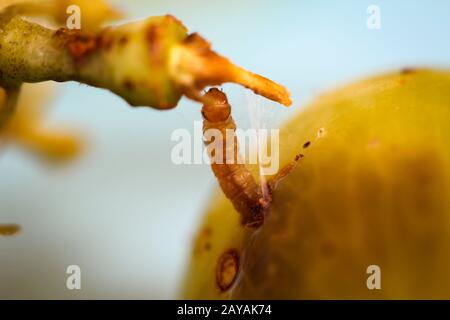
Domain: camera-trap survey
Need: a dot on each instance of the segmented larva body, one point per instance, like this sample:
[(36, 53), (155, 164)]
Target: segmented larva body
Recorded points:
[(236, 181)]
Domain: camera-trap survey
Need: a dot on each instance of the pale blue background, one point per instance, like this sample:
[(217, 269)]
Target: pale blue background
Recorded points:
[(123, 211)]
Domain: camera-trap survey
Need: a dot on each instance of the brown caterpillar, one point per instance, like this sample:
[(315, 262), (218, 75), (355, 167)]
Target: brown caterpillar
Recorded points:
[(237, 182)]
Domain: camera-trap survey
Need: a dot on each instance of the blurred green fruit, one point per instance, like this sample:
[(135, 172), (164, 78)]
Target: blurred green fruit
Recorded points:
[(373, 188)]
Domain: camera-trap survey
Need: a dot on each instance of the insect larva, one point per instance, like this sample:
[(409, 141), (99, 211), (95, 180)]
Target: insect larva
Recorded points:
[(236, 181), (234, 178)]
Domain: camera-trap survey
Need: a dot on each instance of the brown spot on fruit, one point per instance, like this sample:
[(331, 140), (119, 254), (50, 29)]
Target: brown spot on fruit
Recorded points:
[(203, 241), (123, 40), (407, 70), (306, 144), (227, 269), (207, 231), (128, 84)]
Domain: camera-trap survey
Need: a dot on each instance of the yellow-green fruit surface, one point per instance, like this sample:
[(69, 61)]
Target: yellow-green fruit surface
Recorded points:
[(373, 188)]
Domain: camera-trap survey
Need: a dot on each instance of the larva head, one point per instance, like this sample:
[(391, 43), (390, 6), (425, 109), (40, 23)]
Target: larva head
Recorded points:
[(216, 107)]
